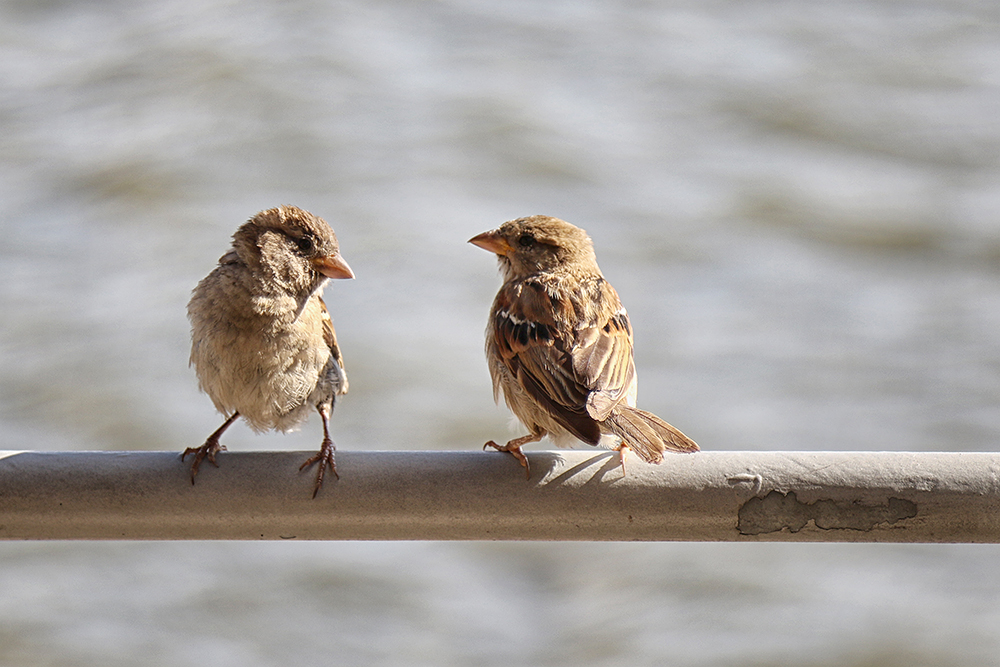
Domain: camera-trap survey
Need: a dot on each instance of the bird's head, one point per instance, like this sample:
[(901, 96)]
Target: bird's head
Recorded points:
[(538, 244), (290, 249)]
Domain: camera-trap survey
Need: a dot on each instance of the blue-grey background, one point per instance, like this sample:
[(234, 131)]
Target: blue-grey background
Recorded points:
[(798, 203)]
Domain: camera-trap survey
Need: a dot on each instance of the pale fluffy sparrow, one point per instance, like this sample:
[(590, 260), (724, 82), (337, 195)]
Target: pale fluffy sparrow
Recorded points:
[(559, 345), (262, 343)]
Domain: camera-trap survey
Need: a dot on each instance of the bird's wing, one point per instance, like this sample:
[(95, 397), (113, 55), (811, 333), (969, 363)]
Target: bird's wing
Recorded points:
[(330, 337), (603, 357), (579, 371)]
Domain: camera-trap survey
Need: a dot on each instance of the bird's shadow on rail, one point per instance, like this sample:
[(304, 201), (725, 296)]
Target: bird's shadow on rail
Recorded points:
[(609, 472)]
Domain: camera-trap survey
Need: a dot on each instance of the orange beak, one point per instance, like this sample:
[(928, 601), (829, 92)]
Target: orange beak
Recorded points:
[(333, 266), (493, 242)]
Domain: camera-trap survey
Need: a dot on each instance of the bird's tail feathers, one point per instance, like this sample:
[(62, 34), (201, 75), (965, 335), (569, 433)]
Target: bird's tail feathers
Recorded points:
[(646, 434)]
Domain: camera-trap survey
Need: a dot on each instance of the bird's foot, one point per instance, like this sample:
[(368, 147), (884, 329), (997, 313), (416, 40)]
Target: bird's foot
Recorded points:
[(514, 448), (325, 458), (206, 451)]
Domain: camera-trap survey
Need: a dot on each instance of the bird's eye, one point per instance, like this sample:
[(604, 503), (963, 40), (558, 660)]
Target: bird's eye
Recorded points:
[(305, 243), (526, 241)]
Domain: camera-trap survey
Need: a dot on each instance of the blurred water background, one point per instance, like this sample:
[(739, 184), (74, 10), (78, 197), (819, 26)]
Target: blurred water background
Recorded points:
[(798, 203)]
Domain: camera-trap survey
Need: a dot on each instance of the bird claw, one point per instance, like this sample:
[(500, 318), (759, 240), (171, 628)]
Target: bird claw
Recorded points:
[(206, 451), (513, 448), (325, 457)]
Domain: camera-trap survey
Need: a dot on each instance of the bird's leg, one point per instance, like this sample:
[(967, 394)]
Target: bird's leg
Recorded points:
[(513, 447), (210, 448), (622, 450), (325, 454)]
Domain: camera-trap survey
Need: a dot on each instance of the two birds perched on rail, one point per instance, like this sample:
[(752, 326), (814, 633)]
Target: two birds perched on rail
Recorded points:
[(558, 342)]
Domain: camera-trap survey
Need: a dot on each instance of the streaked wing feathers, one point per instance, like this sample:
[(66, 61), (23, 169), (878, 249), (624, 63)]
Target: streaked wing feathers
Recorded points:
[(330, 337), (578, 374)]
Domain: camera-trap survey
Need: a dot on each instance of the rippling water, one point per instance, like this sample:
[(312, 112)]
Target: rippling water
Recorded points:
[(798, 205)]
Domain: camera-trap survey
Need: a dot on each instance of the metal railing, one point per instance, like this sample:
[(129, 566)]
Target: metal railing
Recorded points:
[(472, 495)]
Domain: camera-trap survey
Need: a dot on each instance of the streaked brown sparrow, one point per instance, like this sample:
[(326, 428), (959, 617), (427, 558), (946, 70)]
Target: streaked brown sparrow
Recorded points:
[(559, 345), (262, 342)]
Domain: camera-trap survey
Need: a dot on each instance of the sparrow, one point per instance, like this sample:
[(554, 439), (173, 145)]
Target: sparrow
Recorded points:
[(559, 345), (262, 342)]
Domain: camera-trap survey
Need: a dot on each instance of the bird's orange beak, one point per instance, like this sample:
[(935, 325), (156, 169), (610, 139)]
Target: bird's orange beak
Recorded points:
[(492, 241), (333, 266)]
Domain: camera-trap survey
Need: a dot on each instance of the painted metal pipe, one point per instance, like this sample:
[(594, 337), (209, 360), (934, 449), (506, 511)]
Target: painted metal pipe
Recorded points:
[(471, 495)]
